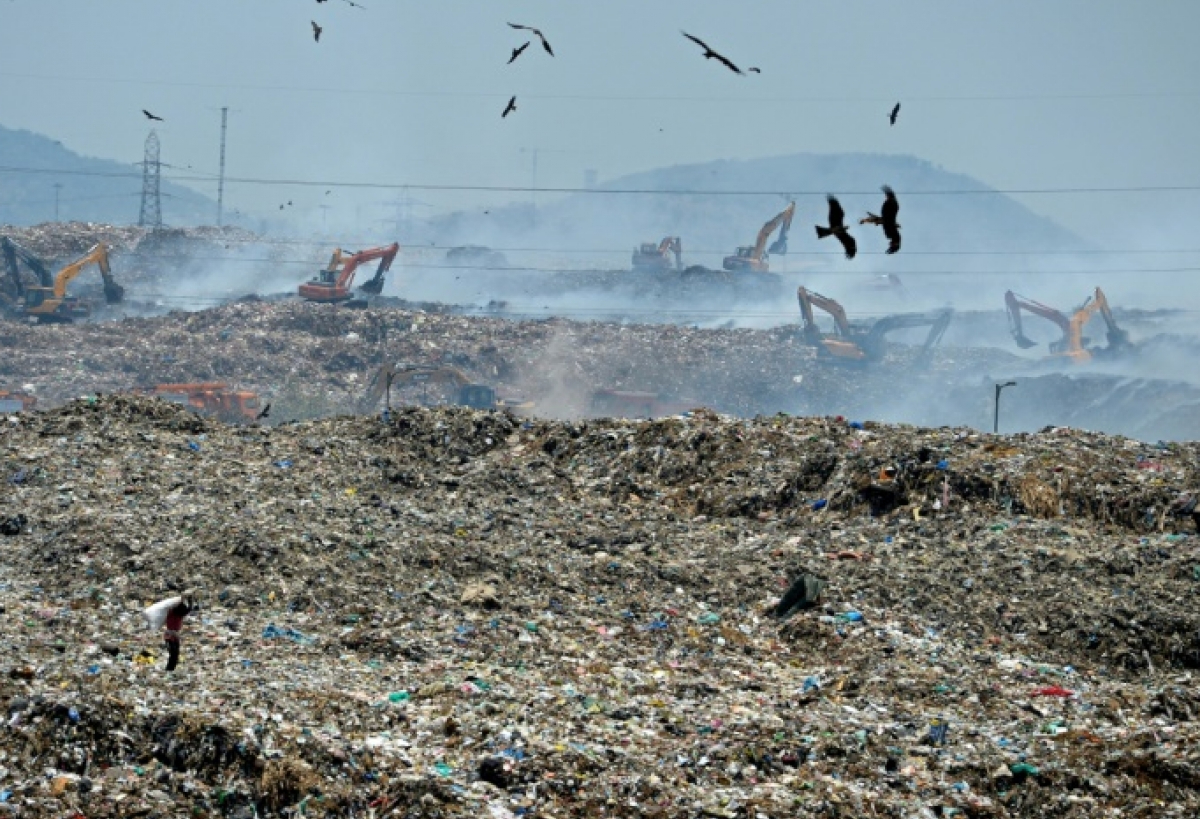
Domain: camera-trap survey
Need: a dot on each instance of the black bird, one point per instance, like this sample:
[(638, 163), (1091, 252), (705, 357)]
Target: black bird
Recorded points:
[(265, 410), (540, 36), (710, 54), (151, 116), (517, 52), (837, 227), (887, 219), (512, 106), (754, 70), (895, 113), (316, 31)]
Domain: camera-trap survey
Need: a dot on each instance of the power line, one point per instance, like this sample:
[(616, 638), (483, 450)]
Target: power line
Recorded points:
[(616, 97), (710, 252), (640, 278), (246, 180)]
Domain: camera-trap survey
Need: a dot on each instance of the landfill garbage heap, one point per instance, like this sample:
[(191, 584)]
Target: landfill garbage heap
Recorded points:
[(461, 613)]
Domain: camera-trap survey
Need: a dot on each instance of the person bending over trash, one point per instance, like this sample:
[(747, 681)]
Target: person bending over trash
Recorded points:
[(168, 614)]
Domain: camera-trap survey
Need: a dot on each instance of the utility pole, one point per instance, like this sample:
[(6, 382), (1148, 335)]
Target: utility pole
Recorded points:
[(221, 177), (57, 187)]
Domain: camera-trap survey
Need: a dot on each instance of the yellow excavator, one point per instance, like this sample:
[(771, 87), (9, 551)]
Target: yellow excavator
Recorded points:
[(1072, 345), (755, 258), (451, 380), (51, 304), (650, 257), (850, 344)]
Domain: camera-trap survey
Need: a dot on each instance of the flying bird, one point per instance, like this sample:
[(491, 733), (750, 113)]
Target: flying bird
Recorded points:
[(316, 31), (517, 52), (887, 219), (710, 54), (540, 36), (837, 227), (151, 116), (267, 409), (895, 113), (754, 69), (512, 106)]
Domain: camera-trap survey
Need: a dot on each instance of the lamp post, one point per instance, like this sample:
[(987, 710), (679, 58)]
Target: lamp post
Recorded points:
[(996, 404)]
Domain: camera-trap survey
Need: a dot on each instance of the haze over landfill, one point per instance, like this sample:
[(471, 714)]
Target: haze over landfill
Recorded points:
[(662, 409)]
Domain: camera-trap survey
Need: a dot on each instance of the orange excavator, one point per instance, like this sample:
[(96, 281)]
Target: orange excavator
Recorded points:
[(755, 258), (214, 398), (332, 285), (649, 257), (49, 303), (849, 343), (1072, 345)]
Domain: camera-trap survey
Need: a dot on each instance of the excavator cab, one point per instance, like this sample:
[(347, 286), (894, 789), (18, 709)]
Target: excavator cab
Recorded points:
[(477, 396)]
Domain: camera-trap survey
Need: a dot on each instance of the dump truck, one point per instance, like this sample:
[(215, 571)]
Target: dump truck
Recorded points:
[(449, 381), (213, 398), (12, 401)]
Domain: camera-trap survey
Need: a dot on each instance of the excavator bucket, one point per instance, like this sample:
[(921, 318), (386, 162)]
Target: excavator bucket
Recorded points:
[(113, 292), (1023, 341), (779, 246), (373, 286)]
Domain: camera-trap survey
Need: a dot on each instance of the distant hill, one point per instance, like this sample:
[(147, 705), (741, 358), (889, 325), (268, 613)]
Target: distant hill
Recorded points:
[(978, 222), (93, 190)]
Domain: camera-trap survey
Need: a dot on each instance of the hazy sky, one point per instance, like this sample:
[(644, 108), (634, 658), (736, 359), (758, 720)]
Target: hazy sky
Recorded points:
[(1020, 93)]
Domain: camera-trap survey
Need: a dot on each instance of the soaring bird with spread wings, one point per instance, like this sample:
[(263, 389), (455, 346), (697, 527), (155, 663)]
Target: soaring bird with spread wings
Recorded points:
[(887, 219), (837, 227), (508, 109), (151, 116), (895, 113), (709, 54), (517, 52), (538, 34), (316, 31)]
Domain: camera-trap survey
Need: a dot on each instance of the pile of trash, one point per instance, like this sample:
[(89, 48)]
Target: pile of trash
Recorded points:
[(316, 360), (455, 613)]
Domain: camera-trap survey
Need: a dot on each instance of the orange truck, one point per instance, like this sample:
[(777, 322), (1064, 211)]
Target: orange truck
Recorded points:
[(16, 401), (214, 398)]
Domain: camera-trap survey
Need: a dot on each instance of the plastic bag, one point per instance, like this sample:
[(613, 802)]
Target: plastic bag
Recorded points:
[(156, 615)]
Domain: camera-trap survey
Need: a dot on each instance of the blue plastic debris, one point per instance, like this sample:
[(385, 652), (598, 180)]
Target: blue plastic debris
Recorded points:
[(857, 425), (943, 465), (819, 505), (273, 631), (193, 446), (283, 463)]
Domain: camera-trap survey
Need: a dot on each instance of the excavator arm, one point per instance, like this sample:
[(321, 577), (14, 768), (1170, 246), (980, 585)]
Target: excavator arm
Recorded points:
[(406, 375), (1016, 304), (1098, 303), (780, 245), (13, 254), (113, 292), (875, 342)]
